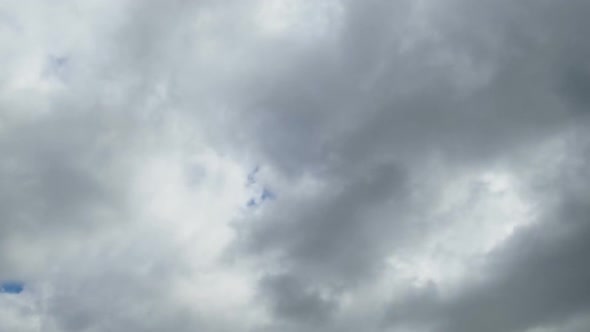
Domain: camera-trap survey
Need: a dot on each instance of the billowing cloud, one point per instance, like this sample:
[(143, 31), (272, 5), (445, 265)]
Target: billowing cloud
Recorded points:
[(294, 165)]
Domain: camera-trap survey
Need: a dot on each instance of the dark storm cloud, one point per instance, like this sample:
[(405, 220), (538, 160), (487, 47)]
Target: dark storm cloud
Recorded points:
[(292, 300), (471, 83), (576, 86), (337, 239), (537, 279)]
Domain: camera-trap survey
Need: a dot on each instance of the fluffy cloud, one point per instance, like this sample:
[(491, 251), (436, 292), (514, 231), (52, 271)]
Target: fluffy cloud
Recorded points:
[(290, 165)]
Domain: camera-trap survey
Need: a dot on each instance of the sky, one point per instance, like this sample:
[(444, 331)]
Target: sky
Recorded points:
[(294, 165)]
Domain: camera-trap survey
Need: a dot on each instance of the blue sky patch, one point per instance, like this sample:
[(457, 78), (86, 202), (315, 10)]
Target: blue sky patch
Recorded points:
[(264, 196), (12, 287), (267, 195), (252, 176)]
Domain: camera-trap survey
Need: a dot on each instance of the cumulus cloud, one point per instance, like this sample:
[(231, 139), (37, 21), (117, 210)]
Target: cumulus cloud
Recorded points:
[(294, 165)]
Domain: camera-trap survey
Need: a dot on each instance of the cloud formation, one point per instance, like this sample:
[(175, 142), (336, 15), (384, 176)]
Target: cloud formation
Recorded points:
[(295, 166)]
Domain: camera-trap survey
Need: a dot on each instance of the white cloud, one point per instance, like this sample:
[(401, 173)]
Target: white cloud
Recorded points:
[(422, 157)]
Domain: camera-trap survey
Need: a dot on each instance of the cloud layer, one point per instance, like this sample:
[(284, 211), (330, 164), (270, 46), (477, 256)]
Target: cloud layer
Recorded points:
[(295, 166)]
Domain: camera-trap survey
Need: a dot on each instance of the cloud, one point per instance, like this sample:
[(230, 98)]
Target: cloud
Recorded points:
[(290, 165), (533, 280)]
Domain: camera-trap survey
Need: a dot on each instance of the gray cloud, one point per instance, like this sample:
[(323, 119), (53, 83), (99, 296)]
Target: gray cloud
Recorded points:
[(478, 83), (292, 300), (536, 279), (368, 121)]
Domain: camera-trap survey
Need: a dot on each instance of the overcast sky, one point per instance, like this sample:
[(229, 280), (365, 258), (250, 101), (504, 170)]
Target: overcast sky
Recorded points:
[(294, 166)]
